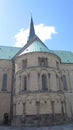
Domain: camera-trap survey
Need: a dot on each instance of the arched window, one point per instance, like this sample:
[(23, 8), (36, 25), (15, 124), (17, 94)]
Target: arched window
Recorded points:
[(25, 83), (24, 64), (64, 82), (58, 82), (4, 83), (44, 82), (43, 61)]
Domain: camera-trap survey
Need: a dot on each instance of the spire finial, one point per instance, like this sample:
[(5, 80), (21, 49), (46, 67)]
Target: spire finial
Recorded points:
[(32, 31)]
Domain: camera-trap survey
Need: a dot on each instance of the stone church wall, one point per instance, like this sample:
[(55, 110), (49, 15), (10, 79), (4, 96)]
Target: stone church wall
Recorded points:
[(33, 102), (5, 89)]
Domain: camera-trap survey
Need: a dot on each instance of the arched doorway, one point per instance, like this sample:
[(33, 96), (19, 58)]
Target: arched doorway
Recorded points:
[(6, 119)]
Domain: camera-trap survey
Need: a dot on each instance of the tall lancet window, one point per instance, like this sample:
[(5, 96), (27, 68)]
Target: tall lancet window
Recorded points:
[(24, 83), (4, 83), (58, 82), (44, 82), (24, 64), (63, 78)]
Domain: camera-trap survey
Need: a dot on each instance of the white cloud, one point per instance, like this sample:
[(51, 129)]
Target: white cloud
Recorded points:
[(42, 31)]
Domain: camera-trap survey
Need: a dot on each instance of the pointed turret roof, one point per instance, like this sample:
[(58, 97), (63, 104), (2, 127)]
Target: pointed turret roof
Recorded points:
[(32, 31), (34, 44)]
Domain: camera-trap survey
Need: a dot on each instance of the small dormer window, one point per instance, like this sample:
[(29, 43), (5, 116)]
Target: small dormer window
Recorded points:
[(24, 64)]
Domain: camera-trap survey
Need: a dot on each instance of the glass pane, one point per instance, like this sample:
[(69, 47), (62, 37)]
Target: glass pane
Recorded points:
[(44, 82), (4, 84), (64, 82)]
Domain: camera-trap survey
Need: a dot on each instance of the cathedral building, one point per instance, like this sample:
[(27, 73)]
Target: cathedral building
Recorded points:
[(36, 84)]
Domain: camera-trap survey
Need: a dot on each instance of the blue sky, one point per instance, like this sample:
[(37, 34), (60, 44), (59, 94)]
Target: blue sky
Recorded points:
[(58, 14)]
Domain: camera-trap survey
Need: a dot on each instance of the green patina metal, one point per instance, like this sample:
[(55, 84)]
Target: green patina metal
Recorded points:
[(36, 46), (7, 52), (65, 56)]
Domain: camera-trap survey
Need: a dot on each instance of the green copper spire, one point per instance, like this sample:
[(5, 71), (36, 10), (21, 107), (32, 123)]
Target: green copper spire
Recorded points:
[(32, 31)]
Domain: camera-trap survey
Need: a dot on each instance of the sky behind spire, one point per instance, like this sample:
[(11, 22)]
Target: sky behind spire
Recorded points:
[(53, 18)]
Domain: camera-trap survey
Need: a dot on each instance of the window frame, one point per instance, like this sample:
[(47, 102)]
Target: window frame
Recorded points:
[(24, 83), (24, 63), (64, 81), (43, 61), (4, 82), (44, 82)]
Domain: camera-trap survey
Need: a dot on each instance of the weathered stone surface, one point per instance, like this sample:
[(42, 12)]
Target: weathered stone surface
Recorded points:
[(61, 127)]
